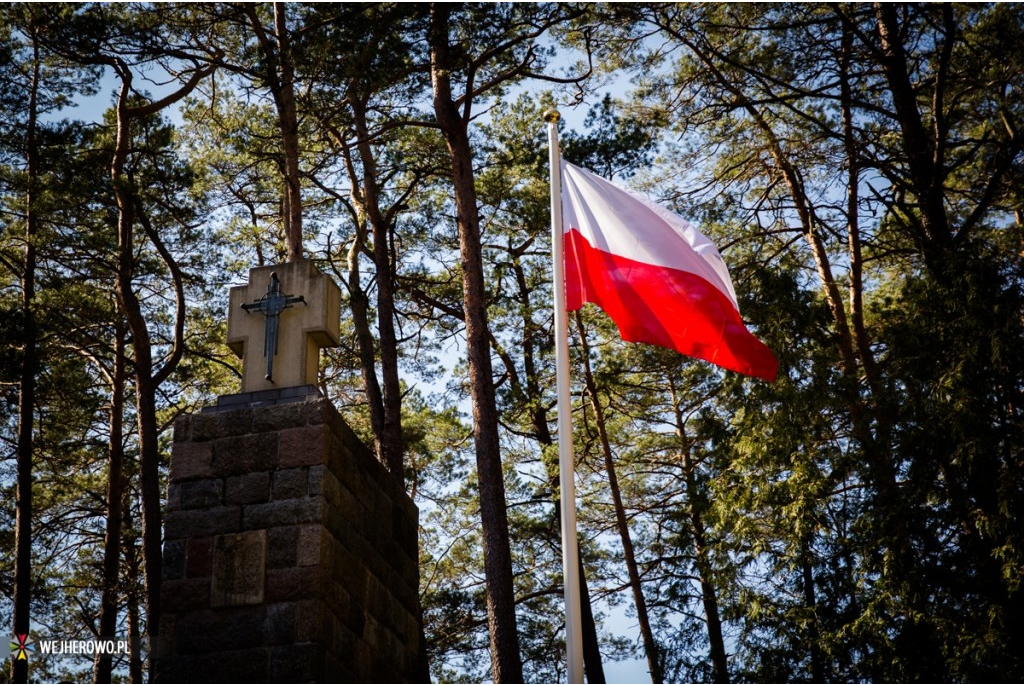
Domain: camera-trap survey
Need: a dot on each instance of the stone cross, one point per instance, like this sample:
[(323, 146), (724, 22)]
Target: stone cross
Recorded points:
[(279, 343)]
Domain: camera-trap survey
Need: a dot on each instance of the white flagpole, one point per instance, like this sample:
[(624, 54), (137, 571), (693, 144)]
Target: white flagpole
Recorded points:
[(566, 463)]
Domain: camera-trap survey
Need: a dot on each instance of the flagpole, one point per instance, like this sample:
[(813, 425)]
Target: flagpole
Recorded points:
[(566, 462)]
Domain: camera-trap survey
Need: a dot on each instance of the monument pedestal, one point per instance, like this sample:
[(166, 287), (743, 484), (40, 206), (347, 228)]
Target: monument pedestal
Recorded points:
[(290, 554)]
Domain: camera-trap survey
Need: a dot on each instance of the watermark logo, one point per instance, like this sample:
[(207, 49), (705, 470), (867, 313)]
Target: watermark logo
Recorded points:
[(86, 647), (20, 646)]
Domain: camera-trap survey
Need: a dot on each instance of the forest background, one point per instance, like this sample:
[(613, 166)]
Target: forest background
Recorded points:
[(859, 166)]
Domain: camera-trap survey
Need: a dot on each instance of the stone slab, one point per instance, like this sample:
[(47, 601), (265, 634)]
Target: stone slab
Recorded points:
[(239, 569)]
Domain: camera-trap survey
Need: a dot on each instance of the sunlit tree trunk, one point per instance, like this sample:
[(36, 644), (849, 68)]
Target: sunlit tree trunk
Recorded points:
[(147, 379), (506, 666)]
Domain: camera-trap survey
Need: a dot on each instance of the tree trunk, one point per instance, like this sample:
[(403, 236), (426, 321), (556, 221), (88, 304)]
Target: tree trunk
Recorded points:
[(695, 507), (592, 665), (392, 442), (146, 381), (289, 121), (364, 338), (280, 77), (647, 635), (103, 669), (814, 635), (850, 144), (145, 389), (149, 466), (719, 661), (530, 394), (386, 425), (506, 666), (924, 154), (131, 555), (27, 392)]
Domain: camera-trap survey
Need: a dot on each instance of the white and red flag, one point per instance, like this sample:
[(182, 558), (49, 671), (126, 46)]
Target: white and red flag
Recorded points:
[(659, 279)]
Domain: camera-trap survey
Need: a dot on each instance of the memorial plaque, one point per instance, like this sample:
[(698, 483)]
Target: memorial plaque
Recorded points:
[(239, 568)]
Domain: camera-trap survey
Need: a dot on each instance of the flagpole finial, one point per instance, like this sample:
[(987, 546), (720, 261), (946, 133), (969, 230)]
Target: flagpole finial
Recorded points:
[(551, 116)]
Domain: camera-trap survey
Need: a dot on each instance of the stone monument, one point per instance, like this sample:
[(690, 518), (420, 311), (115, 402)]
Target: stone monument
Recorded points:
[(290, 553)]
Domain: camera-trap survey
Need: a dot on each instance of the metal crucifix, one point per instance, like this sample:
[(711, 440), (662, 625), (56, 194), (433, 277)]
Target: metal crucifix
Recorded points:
[(271, 305)]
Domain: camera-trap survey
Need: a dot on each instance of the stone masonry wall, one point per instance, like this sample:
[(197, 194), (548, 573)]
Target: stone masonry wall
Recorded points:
[(290, 555)]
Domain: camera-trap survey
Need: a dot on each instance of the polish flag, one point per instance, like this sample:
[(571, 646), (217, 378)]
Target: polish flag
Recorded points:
[(659, 279)]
